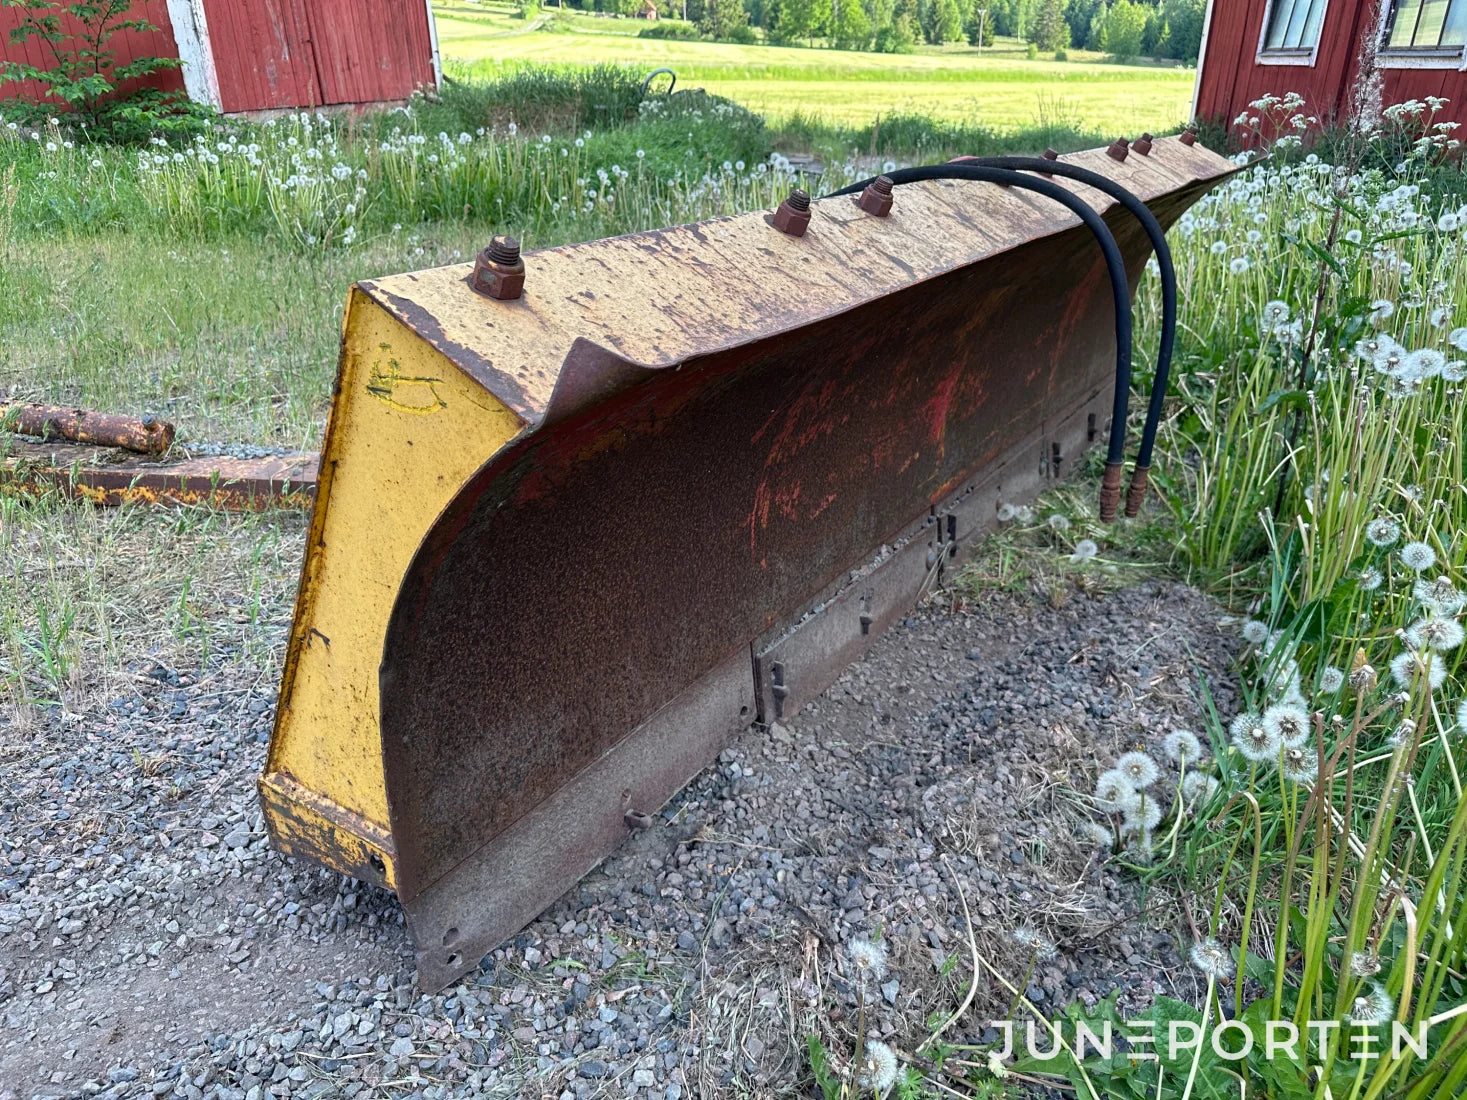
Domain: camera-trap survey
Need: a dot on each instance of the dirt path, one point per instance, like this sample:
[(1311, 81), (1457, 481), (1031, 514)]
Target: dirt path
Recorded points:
[(151, 944)]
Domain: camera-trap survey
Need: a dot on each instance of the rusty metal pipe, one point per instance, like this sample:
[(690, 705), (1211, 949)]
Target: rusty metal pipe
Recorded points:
[(1140, 476), (144, 435), (1115, 265)]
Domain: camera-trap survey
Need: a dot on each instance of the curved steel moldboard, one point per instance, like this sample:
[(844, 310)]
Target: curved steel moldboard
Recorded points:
[(578, 633)]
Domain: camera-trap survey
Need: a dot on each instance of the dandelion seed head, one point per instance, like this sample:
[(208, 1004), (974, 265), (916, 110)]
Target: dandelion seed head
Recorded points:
[(1438, 596), (868, 958), (1408, 665), (1212, 958), (1382, 531), (1058, 522), (1198, 787), (878, 1066), (1114, 791), (1331, 679), (1142, 817), (1435, 633), (1254, 740), (1462, 715), (1044, 948), (1373, 1007), (1403, 735), (1139, 768), (1097, 834), (1255, 632), (1182, 746), (1006, 512), (1085, 549), (1458, 338), (1381, 310), (1370, 579), (1238, 265), (1287, 722), (1418, 556), (1299, 764), (1364, 964)]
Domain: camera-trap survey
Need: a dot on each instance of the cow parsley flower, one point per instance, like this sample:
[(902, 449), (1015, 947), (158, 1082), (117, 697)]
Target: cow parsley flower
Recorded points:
[(1182, 746), (1139, 769), (1212, 958), (1254, 740), (1407, 665), (1383, 531), (1418, 556), (878, 1066)]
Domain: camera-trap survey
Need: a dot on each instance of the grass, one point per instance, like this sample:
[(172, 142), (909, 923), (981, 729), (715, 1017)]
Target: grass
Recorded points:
[(955, 83)]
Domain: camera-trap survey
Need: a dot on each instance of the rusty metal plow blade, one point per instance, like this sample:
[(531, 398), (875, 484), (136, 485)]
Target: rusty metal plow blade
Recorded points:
[(566, 546)]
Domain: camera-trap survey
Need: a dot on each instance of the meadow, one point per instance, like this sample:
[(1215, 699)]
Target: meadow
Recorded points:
[(997, 87), (1310, 476)]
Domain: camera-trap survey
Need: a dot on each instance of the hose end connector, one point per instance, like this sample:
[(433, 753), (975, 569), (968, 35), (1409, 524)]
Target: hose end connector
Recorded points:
[(1110, 492), (1136, 495)]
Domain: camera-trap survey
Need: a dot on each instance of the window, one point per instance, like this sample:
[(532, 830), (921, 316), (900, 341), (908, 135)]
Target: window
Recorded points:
[(1292, 29), (1431, 27)]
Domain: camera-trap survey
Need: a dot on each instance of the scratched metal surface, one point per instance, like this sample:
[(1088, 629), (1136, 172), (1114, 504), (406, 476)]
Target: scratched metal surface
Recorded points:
[(667, 512), (658, 297)]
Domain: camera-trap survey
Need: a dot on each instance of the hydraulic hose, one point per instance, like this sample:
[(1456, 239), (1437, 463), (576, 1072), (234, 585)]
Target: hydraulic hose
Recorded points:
[(1141, 475), (1110, 485)]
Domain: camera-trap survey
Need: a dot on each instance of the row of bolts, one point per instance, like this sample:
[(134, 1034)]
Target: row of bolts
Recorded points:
[(499, 272)]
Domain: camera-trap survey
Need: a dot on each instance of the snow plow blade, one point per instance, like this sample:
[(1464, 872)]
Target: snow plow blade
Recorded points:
[(566, 546)]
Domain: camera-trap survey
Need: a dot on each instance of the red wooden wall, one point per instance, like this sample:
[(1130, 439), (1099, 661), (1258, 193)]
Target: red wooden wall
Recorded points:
[(303, 53), (271, 54), (126, 45), (1231, 79)]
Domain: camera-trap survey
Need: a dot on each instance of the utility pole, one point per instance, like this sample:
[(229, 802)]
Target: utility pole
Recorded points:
[(982, 14)]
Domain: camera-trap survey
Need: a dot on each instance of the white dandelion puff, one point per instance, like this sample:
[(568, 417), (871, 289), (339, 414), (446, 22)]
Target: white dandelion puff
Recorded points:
[(1253, 739), (1382, 531), (1462, 715), (1114, 792), (1212, 958), (1238, 265), (1372, 1008), (1299, 765), (878, 1066), (1006, 512), (1369, 579), (1287, 722), (1458, 338), (1435, 633), (1408, 665), (868, 958), (1085, 549), (1141, 818), (1364, 963), (1381, 310), (1438, 596), (1255, 632), (1139, 768), (1058, 522), (1418, 556), (1275, 313), (1182, 746), (1331, 679), (1044, 948), (1198, 787), (1097, 834)]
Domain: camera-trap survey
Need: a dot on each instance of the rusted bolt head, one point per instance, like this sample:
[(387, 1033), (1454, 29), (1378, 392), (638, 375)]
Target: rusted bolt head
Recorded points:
[(793, 215), (1050, 153), (1118, 149), (876, 199), (1142, 145), (1189, 135), (498, 271)]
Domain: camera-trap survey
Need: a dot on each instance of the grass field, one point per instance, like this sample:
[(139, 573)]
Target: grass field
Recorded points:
[(998, 87)]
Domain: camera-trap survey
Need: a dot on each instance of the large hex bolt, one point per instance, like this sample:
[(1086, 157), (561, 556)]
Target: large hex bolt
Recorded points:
[(793, 215), (498, 271), (1142, 145), (1189, 135), (1050, 153), (1119, 148), (876, 199)]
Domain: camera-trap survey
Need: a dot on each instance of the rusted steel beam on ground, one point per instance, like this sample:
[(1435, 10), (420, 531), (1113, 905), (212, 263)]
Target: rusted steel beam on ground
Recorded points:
[(110, 477), (145, 435)]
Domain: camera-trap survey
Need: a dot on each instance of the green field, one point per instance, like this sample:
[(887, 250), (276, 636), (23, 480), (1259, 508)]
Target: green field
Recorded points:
[(997, 88)]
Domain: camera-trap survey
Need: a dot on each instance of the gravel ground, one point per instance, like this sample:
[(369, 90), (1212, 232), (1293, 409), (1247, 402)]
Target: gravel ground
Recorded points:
[(151, 943)]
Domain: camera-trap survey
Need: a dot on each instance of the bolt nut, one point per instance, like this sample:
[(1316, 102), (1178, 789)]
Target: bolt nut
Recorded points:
[(498, 271), (876, 198), (1142, 145), (1050, 153), (1189, 135), (1119, 148), (793, 215)]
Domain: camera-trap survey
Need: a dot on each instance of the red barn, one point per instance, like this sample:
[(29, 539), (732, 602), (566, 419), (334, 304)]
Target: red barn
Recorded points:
[(265, 55), (1253, 47)]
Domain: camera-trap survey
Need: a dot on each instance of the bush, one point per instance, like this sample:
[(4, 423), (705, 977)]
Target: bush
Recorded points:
[(1061, 55), (537, 98), (1032, 52), (670, 28), (85, 76), (742, 35)]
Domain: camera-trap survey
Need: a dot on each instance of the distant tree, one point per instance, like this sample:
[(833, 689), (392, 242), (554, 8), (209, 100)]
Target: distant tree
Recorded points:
[(792, 20), (1079, 15), (1011, 18), (1151, 32), (898, 36), (850, 26), (1049, 31), (1181, 37), (940, 21), (720, 17), (978, 24), (1122, 30)]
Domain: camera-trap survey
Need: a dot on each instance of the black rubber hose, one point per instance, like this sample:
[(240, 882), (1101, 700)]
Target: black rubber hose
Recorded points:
[(1141, 475), (1110, 485)]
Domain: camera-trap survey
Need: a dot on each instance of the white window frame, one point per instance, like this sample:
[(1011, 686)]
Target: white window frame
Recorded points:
[(1416, 57), (1265, 56)]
